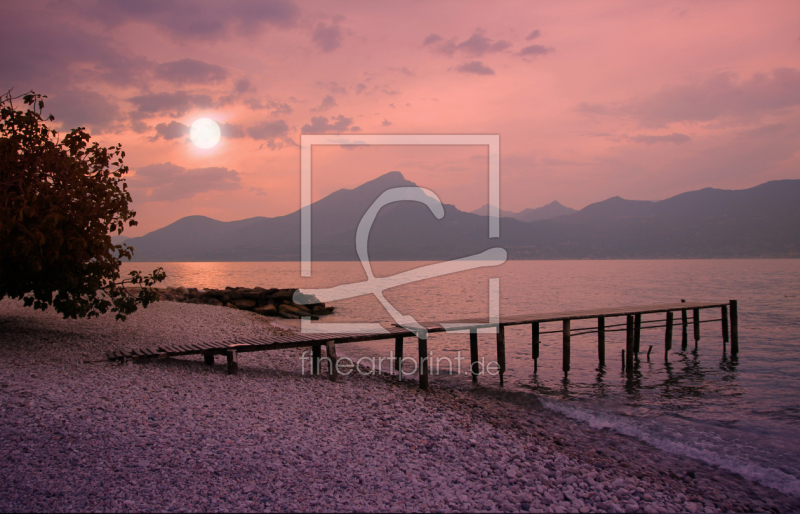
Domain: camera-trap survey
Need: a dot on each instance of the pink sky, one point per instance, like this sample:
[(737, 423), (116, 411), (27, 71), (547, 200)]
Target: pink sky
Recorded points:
[(643, 100)]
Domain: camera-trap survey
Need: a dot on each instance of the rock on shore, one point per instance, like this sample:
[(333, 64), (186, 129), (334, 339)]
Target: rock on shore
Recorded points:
[(176, 435), (267, 302)]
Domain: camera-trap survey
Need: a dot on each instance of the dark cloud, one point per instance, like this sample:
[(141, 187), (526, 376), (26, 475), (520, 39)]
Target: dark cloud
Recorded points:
[(321, 125), (171, 130), (475, 67), (167, 182), (360, 87), (674, 138), (721, 95), (98, 113), (242, 86), (191, 71), (174, 104), (327, 37), (386, 123), (533, 35), (433, 38), (535, 50), (275, 134), (231, 130), (277, 108), (328, 102), (477, 45), (50, 55), (405, 71), (269, 130), (202, 20)]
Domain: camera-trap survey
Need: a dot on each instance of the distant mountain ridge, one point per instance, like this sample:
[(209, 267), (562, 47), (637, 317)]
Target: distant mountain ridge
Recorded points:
[(763, 221), (546, 212)]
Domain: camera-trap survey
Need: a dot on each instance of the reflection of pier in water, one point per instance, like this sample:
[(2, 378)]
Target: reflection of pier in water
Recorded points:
[(633, 326)]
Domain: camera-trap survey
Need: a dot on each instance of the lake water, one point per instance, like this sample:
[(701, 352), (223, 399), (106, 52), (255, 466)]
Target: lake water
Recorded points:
[(740, 414)]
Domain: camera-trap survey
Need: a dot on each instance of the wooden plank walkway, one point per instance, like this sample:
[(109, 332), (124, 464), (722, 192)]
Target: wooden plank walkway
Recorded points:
[(632, 326)]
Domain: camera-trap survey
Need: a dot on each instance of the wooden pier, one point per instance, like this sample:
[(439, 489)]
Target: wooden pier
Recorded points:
[(632, 325)]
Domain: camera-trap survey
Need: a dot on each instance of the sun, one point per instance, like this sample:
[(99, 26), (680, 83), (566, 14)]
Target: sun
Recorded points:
[(205, 133)]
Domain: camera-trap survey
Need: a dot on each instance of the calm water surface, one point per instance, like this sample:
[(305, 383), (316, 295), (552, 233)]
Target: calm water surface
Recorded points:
[(741, 414)]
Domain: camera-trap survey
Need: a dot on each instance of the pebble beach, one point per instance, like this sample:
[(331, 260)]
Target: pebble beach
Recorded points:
[(80, 433)]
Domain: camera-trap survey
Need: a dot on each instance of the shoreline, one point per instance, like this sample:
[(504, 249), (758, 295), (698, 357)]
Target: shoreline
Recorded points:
[(175, 435)]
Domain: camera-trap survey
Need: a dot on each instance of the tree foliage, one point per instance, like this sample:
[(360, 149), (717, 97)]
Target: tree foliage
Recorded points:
[(60, 203)]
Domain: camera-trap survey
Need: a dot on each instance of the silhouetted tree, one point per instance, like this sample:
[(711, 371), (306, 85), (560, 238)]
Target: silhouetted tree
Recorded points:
[(60, 202)]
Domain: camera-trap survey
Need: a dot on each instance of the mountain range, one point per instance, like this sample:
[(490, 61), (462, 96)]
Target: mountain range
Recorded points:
[(763, 221), (546, 212)]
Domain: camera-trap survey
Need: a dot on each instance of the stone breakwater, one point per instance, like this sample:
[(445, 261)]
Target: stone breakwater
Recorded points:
[(176, 435), (267, 302)]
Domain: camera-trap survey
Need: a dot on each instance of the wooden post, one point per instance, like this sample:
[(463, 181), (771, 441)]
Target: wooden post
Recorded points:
[(208, 359), (535, 345), (233, 364), (424, 369), (637, 333), (629, 344), (601, 340), (501, 351), (565, 346), (473, 354), (724, 323), (685, 333), (330, 347), (668, 335), (734, 327), (696, 323), (316, 357), (398, 356)]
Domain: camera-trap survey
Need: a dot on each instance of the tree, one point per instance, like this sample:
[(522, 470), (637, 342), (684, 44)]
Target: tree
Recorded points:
[(60, 202)]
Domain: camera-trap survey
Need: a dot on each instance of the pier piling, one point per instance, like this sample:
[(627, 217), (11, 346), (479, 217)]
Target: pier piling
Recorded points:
[(208, 359), (629, 344), (233, 364), (637, 333), (473, 354), (424, 368), (316, 357), (535, 345), (696, 322), (333, 373), (724, 323), (501, 351), (734, 307), (668, 335), (601, 340), (565, 346), (398, 356), (685, 333)]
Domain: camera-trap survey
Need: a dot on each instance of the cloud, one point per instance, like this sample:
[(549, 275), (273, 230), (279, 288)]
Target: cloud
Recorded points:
[(168, 182), (171, 130), (535, 50), (433, 38), (533, 35), (674, 138), (719, 96), (201, 20), (386, 123), (191, 71), (175, 104), (277, 108), (71, 108), (274, 133), (231, 130), (333, 87), (327, 37), (328, 102), (405, 71), (475, 67), (321, 125), (477, 45), (360, 87), (52, 55)]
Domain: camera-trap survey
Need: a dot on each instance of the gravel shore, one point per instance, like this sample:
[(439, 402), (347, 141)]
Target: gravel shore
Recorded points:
[(176, 435)]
